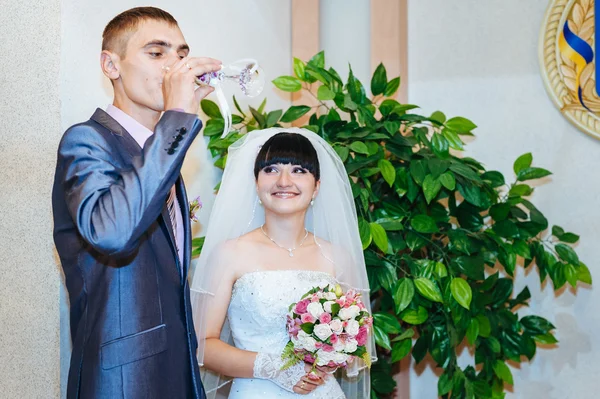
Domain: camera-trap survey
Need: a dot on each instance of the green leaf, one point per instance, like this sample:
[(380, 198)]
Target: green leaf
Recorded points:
[(391, 87), (379, 80), (287, 83), (428, 289), (299, 69), (523, 162), (424, 224), (273, 117), (406, 334), (536, 325), (364, 230), (440, 144), (415, 317), (381, 338), (387, 323), (237, 106), (520, 190), (294, 112), (307, 327), (532, 173), (379, 236), (461, 291), (355, 88), (318, 60), (387, 171), (485, 329), (214, 127), (359, 147), (447, 179), (472, 331), (438, 116), (431, 187), (460, 124), (404, 293), (503, 372), (453, 140), (259, 117), (400, 350), (567, 254), (444, 384), (342, 151), (210, 109), (391, 126), (235, 119), (418, 170), (546, 339), (583, 273), (325, 93), (495, 178)]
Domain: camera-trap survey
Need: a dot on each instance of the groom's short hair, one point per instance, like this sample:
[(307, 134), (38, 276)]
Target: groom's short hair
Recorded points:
[(118, 31)]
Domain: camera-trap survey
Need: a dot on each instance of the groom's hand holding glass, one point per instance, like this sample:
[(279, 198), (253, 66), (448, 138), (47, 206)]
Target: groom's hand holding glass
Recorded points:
[(179, 88)]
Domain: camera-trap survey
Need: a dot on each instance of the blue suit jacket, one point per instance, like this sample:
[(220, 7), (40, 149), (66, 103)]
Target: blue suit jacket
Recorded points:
[(131, 319)]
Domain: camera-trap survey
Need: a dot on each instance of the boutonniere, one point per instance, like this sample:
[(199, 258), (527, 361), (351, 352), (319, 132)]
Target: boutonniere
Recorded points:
[(195, 206)]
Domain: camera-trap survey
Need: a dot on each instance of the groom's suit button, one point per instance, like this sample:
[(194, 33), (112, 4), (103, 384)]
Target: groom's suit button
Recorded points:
[(171, 151), (175, 144), (177, 138), (182, 130)]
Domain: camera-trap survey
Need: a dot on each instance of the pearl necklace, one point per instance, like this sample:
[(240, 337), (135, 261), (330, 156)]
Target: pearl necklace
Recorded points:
[(290, 250)]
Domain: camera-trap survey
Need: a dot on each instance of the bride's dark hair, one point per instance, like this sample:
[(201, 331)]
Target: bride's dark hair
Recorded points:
[(288, 148)]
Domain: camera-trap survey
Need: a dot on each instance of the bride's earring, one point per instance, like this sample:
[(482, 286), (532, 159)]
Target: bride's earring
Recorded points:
[(312, 201), (259, 202)]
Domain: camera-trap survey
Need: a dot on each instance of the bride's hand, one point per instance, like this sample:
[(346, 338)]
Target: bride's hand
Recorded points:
[(310, 381)]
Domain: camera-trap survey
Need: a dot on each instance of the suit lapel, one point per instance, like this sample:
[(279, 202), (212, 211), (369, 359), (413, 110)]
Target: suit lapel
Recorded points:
[(133, 148)]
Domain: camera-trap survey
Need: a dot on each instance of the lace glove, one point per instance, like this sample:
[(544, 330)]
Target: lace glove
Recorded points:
[(267, 366)]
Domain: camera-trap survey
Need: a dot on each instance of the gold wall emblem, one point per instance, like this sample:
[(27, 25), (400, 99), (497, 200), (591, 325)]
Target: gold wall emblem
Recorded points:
[(568, 44)]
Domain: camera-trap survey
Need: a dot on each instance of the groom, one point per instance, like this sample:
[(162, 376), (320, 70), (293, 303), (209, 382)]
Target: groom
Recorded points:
[(121, 217)]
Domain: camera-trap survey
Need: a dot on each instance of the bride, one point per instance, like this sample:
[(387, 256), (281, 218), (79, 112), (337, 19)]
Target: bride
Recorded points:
[(283, 223)]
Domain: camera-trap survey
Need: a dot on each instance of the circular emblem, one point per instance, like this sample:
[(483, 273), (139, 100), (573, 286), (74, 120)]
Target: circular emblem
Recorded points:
[(567, 56)]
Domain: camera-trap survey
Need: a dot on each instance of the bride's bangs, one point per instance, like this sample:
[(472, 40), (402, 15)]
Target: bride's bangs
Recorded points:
[(288, 149)]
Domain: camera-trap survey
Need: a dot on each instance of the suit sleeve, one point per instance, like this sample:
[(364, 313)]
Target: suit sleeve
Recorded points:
[(113, 207)]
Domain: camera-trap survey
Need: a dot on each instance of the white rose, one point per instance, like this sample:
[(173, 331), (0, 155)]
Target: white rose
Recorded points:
[(323, 358), (354, 311), (330, 296), (327, 306), (309, 343), (323, 331), (351, 346), (336, 326), (352, 327), (305, 341), (315, 309), (340, 357), (339, 346), (345, 314)]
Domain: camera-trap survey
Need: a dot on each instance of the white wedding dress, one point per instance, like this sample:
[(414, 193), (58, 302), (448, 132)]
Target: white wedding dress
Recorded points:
[(257, 316)]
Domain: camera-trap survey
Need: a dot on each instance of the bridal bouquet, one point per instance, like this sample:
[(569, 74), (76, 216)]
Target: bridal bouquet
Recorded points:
[(327, 328)]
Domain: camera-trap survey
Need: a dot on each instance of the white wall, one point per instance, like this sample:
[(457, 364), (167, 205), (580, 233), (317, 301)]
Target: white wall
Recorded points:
[(479, 60), (30, 129)]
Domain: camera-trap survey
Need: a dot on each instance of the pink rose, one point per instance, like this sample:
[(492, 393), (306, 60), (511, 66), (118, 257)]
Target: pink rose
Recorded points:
[(318, 345), (334, 339), (308, 358), (325, 318), (315, 298), (361, 337), (307, 318), (332, 364), (301, 306), (327, 348)]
